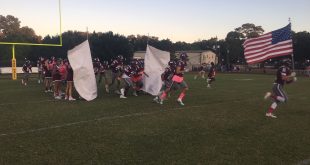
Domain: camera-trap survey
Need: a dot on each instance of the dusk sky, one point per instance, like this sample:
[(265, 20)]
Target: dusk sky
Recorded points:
[(178, 20)]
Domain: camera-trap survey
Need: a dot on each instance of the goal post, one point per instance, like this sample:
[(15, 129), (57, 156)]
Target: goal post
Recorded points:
[(14, 72)]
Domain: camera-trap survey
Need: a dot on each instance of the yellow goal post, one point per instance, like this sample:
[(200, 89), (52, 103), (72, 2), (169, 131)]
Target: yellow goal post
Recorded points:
[(14, 73)]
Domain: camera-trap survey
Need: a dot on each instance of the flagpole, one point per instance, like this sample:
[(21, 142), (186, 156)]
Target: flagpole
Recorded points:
[(148, 38), (87, 32), (293, 60)]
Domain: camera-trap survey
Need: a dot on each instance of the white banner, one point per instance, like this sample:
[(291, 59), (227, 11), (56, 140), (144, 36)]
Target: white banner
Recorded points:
[(83, 71), (155, 62)]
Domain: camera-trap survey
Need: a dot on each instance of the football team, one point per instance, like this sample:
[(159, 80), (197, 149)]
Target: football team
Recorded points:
[(120, 78)]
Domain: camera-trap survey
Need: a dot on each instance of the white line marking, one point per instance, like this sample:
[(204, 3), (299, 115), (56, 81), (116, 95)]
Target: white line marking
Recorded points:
[(93, 120), (304, 162), (110, 118), (244, 79)]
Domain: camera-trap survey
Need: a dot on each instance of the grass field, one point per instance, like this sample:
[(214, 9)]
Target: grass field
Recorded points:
[(222, 125)]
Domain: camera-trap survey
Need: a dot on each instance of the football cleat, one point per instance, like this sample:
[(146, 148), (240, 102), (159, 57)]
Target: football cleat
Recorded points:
[(156, 99), (71, 99), (117, 92), (271, 115), (58, 97), (122, 97), (107, 90), (267, 95), (180, 102)]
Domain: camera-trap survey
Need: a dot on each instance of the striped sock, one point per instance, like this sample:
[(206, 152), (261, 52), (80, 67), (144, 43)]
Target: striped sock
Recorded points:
[(163, 96), (182, 95)]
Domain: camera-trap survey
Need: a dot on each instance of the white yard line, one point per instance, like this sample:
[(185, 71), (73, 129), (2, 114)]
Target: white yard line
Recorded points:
[(101, 118), (248, 79), (92, 120), (304, 162)]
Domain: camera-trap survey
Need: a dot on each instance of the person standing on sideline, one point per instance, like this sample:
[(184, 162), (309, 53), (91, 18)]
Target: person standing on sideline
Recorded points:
[(211, 75), (40, 64), (47, 69), (278, 95), (57, 79), (69, 79)]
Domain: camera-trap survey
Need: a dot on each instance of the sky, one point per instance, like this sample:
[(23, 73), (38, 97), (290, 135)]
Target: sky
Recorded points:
[(177, 20)]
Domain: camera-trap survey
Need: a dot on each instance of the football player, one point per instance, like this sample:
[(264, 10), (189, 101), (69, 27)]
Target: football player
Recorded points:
[(167, 79), (201, 71), (116, 67), (136, 77), (27, 70), (178, 79), (97, 65), (126, 81), (211, 75), (104, 72), (278, 95)]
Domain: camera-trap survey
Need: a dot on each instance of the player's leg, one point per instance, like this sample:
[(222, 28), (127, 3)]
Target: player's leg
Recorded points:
[(184, 88), (164, 94), (67, 91), (70, 84), (162, 89), (123, 86), (278, 96)]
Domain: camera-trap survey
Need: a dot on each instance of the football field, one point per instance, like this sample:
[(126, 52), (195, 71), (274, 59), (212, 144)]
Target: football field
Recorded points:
[(225, 124)]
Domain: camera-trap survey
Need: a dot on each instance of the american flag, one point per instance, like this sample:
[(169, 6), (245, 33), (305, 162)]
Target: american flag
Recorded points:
[(273, 44)]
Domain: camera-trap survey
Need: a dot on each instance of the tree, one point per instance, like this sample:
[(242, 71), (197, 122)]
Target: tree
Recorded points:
[(301, 42), (9, 25), (10, 31), (249, 30), (234, 46)]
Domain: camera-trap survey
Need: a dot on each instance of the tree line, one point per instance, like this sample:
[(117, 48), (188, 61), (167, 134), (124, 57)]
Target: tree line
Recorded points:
[(107, 45)]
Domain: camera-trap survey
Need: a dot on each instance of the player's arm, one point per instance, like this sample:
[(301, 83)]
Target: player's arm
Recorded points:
[(178, 70), (289, 78)]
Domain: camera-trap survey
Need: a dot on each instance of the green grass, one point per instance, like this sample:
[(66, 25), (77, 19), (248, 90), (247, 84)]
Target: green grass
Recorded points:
[(222, 125)]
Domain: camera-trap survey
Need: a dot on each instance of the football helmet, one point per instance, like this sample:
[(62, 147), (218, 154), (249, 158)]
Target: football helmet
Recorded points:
[(183, 56)]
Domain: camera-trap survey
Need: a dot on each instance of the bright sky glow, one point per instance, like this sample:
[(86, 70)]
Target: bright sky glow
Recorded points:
[(178, 20)]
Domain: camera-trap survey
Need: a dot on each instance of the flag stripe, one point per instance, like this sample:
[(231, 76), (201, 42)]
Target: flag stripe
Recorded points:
[(264, 49), (269, 57), (274, 44), (253, 41), (271, 52)]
